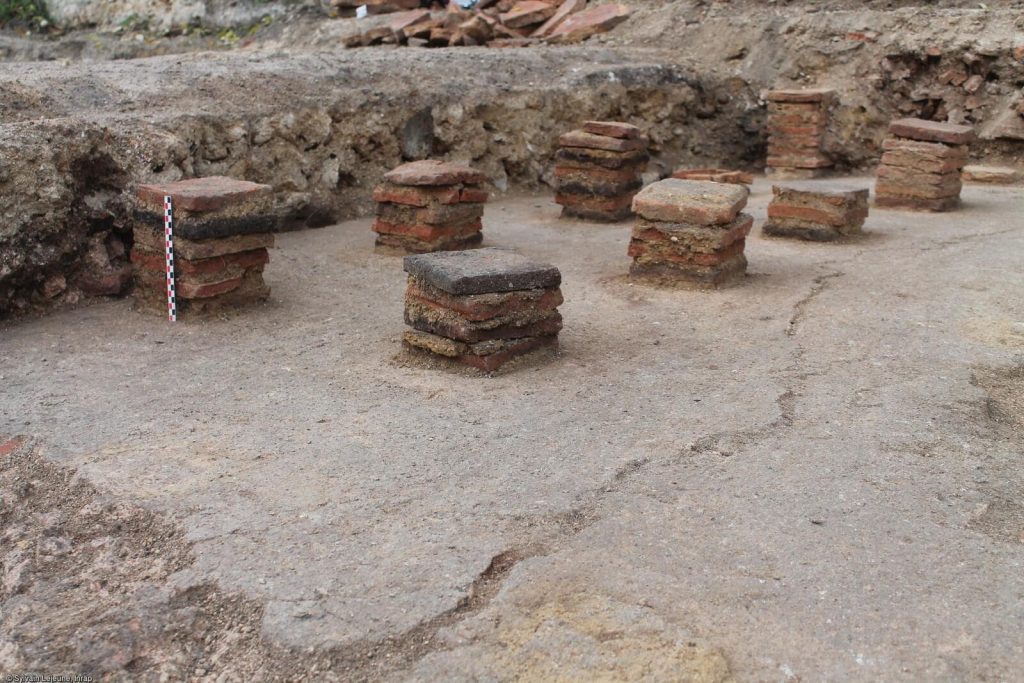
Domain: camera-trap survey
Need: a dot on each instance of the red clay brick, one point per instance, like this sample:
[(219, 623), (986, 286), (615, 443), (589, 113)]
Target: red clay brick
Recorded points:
[(471, 195), (425, 232), (187, 290), (431, 172), (815, 95), (245, 259), (479, 307), (613, 129), (527, 13), (201, 194), (932, 131), (593, 20), (580, 138), (805, 213), (417, 196), (564, 10), (691, 201)]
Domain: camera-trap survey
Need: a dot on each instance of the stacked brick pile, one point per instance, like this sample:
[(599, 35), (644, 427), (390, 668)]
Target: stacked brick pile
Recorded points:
[(809, 212), (598, 170), (496, 23), (797, 120), (430, 206), (922, 164), (481, 308), (222, 230), (690, 231)]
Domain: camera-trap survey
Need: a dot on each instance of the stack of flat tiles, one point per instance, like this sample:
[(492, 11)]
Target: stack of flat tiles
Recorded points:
[(430, 205), (481, 308), (797, 120), (690, 232), (922, 164), (222, 230), (807, 211), (598, 170)]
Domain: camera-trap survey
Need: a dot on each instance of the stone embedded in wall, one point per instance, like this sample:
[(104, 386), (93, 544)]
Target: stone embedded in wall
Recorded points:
[(222, 230), (481, 308), (598, 170), (922, 164), (797, 121), (690, 232), (430, 205), (810, 212)]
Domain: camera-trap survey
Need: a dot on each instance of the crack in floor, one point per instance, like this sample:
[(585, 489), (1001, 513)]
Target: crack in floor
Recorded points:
[(819, 285)]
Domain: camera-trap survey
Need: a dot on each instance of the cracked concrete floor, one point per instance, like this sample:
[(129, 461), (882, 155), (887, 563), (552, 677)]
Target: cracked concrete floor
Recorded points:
[(816, 475)]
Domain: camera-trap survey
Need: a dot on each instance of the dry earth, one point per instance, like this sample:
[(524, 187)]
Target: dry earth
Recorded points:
[(815, 475)]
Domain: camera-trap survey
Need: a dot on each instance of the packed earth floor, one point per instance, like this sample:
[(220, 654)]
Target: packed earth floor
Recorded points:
[(815, 475)]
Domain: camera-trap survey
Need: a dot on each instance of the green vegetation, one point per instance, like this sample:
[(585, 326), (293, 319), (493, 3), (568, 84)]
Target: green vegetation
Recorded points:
[(133, 22), (24, 13)]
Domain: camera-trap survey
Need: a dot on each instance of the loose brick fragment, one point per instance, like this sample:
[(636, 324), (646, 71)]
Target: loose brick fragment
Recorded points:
[(564, 10), (528, 13), (589, 22)]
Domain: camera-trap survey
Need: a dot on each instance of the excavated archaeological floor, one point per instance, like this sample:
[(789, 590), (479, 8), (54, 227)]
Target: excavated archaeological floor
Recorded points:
[(816, 474)]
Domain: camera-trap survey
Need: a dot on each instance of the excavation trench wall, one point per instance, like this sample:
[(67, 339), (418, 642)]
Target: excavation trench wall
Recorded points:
[(322, 124), (322, 134)]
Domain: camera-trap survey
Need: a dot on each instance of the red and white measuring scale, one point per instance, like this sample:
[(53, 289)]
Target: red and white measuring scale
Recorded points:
[(172, 311)]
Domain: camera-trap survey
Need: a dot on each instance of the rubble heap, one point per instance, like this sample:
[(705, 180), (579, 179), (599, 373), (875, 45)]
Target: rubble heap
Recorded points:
[(797, 120), (481, 308), (809, 212), (222, 230), (690, 231), (598, 170), (430, 205), (717, 175), (496, 23), (921, 166)]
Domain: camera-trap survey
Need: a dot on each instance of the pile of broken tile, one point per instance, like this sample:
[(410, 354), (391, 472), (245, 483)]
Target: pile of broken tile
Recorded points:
[(494, 23)]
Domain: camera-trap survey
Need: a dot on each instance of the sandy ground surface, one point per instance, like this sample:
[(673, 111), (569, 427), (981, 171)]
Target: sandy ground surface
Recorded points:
[(815, 475)]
